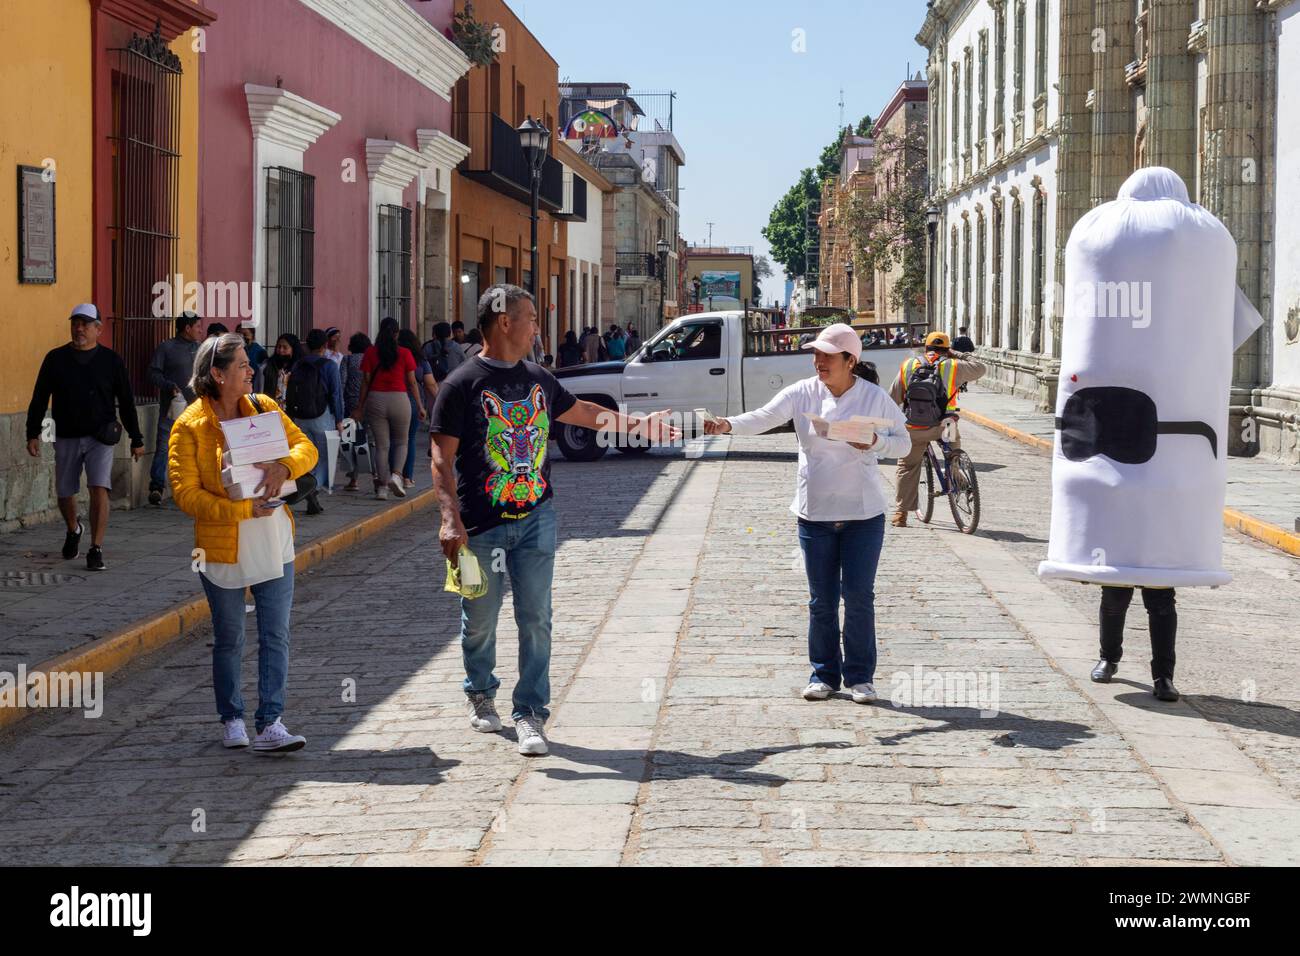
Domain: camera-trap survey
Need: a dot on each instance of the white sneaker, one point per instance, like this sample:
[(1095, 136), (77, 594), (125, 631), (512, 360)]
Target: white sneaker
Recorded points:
[(381, 493), (276, 739), (816, 690), (395, 482), (234, 733), (532, 742), (863, 693), (483, 715)]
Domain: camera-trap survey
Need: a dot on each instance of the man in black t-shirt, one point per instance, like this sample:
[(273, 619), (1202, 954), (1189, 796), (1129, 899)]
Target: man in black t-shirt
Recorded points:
[(493, 418)]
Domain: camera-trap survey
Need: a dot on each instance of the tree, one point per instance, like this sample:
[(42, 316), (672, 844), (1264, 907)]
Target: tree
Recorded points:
[(762, 270), (784, 231), (887, 227), (864, 126)]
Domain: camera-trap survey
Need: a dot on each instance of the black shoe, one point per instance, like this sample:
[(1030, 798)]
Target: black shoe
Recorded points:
[(72, 542), (1164, 689), (95, 558), (155, 496), (314, 505), (1104, 671)]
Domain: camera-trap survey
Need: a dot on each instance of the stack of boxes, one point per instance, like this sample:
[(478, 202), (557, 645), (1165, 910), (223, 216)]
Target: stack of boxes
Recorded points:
[(251, 441)]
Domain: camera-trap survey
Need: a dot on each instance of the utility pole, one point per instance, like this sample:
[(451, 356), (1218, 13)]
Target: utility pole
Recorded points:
[(710, 225)]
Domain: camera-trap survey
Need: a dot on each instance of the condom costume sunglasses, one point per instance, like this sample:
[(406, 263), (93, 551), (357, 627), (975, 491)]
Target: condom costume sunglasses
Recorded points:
[(1120, 423)]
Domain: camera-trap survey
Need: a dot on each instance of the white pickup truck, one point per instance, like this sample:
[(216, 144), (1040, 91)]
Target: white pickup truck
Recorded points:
[(727, 362)]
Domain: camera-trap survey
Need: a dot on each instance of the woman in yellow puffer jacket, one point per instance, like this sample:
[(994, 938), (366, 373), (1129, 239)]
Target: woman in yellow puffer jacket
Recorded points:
[(240, 544)]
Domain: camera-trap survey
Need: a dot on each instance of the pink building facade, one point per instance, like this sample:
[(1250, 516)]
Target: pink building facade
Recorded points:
[(325, 155)]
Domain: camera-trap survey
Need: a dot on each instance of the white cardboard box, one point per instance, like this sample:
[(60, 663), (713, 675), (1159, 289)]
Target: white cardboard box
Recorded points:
[(242, 490), (254, 438)]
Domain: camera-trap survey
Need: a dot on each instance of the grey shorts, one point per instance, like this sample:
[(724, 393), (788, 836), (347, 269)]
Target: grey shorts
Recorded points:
[(71, 455)]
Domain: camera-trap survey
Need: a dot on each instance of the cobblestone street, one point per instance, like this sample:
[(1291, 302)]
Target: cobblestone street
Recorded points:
[(678, 735)]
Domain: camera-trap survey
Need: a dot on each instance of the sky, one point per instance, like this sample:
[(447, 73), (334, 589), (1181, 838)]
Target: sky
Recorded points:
[(751, 112)]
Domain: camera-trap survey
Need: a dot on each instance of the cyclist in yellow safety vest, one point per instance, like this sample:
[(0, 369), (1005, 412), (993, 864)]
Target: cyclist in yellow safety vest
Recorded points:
[(927, 422)]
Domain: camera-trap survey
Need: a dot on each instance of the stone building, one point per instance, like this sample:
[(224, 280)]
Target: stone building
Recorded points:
[(1199, 86), (856, 178), (993, 136), (898, 129)]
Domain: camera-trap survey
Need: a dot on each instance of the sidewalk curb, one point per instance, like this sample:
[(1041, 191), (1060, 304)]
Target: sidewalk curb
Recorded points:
[(115, 651), (1251, 527)]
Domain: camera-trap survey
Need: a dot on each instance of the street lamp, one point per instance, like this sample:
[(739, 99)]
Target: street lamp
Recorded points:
[(662, 247), (535, 139), (848, 288), (931, 226)]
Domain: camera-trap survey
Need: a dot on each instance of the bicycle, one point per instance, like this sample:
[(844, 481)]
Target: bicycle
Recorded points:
[(954, 473)]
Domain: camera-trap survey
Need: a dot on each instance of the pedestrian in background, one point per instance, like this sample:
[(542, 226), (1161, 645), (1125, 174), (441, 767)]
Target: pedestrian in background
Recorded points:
[(243, 544), (473, 343), (570, 353), (617, 345), (428, 388), (389, 379), (633, 342), (91, 391), (591, 345), (314, 400), (256, 355), (352, 379), (288, 349), (839, 503), (169, 372), (333, 336)]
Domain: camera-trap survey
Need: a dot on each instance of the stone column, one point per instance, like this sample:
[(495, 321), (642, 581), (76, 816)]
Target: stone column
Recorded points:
[(1171, 89), (1237, 151), (1074, 142), (1112, 112)]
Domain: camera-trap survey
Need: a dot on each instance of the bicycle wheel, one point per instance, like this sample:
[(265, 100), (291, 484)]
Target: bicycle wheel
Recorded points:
[(963, 492), (925, 492)]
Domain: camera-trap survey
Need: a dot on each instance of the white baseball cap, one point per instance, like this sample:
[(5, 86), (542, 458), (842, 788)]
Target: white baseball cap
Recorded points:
[(837, 338), (87, 311)]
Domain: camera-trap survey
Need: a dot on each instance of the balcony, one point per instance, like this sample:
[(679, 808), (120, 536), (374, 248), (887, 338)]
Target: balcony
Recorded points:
[(497, 160), (635, 265)]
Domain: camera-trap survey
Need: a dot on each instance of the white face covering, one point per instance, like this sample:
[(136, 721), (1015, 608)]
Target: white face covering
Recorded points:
[(1152, 316)]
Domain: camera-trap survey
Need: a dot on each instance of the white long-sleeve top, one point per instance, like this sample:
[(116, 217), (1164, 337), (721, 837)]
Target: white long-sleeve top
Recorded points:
[(836, 482)]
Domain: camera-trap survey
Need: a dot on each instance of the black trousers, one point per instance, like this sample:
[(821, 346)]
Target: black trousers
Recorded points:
[(1162, 618)]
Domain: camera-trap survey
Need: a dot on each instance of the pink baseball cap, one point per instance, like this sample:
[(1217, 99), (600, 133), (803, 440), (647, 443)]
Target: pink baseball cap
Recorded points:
[(837, 338)]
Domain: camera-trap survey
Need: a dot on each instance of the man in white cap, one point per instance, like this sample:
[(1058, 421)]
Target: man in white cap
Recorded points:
[(927, 388), (839, 502), (86, 381)]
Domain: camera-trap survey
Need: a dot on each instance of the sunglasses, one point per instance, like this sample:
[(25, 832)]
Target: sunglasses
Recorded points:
[(1120, 423)]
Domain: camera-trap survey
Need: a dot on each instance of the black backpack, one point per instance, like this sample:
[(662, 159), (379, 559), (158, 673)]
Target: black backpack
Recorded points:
[(925, 401), (306, 397), (435, 353)]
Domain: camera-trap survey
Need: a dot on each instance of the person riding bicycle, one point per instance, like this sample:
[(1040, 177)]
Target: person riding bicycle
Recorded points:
[(926, 388)]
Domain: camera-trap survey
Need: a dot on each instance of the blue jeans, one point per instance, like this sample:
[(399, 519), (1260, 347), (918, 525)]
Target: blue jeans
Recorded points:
[(274, 600), (315, 429), (840, 558), (528, 549), (158, 470)]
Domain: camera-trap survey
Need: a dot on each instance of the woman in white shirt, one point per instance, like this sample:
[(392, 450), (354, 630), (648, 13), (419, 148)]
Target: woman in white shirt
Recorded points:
[(840, 504)]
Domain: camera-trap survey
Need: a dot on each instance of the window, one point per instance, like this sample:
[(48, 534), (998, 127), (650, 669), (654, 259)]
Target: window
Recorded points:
[(970, 85), (395, 264), (573, 288), (290, 244), (980, 270), (965, 270), (1040, 269), (952, 277), (995, 317), (145, 149), (956, 119), (999, 78), (695, 340), (984, 91), (1018, 76), (1040, 49), (1017, 273)]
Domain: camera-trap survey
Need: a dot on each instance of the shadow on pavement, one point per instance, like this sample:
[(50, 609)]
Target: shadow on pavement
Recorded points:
[(734, 766), (1016, 730)]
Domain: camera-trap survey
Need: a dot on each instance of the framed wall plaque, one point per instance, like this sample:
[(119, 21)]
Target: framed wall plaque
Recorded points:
[(35, 226)]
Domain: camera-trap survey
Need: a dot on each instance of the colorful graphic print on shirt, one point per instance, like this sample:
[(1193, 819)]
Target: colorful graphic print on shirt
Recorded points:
[(515, 447)]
